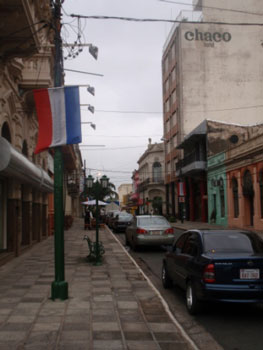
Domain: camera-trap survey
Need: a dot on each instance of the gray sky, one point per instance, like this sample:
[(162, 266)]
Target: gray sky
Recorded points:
[(130, 60)]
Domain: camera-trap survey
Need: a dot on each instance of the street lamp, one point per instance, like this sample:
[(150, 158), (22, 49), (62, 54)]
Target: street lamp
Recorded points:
[(91, 109), (97, 186), (91, 124), (91, 90)]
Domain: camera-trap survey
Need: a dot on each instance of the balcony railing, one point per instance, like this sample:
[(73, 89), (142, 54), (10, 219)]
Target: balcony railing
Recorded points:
[(190, 163), (149, 182)]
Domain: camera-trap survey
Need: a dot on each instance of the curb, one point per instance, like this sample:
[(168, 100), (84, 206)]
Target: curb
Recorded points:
[(166, 307)]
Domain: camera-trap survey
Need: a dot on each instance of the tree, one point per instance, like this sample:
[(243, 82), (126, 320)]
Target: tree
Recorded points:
[(103, 194)]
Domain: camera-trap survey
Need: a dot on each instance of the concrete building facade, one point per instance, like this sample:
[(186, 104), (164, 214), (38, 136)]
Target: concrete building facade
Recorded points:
[(210, 71), (26, 185), (123, 191), (151, 180)]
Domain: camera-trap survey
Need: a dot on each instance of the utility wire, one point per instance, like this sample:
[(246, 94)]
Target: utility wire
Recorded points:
[(110, 149), (78, 71), (25, 28), (128, 112), (131, 19)]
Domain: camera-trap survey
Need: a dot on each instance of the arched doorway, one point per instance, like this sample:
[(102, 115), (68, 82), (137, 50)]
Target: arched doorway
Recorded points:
[(5, 133), (157, 205), (248, 193)]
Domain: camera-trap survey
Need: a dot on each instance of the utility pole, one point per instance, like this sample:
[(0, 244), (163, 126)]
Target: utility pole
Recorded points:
[(59, 288)]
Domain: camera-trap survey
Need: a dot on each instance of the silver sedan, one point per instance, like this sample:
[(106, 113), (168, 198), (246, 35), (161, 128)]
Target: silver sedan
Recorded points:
[(149, 230)]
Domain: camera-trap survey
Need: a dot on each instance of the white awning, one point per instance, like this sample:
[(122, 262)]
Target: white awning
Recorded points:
[(16, 165)]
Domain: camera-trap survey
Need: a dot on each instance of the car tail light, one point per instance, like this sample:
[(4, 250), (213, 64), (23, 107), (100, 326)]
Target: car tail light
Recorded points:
[(141, 231), (169, 231), (209, 274)]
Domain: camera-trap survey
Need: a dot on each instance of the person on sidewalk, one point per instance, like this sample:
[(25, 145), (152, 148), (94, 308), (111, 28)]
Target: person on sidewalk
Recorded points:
[(87, 218)]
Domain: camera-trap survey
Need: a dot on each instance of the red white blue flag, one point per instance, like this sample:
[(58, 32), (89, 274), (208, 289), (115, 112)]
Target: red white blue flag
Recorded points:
[(58, 112)]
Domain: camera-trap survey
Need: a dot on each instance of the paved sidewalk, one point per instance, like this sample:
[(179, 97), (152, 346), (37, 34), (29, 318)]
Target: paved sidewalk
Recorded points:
[(110, 307)]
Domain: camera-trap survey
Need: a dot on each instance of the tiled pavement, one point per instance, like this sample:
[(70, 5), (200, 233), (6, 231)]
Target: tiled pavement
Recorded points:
[(110, 307)]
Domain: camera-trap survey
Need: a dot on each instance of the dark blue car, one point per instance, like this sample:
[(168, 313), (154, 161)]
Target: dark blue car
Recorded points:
[(216, 265)]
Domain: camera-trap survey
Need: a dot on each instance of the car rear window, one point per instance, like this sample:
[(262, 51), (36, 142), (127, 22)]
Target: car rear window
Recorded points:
[(232, 242), (153, 221), (125, 216)]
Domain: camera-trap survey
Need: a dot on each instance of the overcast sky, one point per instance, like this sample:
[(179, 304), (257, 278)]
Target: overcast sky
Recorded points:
[(130, 61)]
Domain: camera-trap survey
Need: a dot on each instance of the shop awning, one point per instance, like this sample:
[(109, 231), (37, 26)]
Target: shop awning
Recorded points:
[(16, 165)]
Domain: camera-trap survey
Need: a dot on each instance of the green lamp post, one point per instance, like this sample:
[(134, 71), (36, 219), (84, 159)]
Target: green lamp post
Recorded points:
[(98, 186)]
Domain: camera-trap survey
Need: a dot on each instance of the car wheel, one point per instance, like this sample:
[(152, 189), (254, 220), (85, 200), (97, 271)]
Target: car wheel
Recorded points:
[(166, 280), (192, 303)]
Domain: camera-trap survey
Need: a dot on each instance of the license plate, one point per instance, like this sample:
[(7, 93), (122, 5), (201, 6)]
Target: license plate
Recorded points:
[(156, 232), (249, 274)]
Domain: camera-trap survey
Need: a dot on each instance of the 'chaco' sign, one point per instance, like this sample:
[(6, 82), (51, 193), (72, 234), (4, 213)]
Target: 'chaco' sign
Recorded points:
[(207, 36)]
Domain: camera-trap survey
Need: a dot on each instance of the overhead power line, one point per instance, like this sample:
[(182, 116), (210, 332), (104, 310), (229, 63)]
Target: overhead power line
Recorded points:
[(130, 112), (132, 19), (113, 149), (78, 71)]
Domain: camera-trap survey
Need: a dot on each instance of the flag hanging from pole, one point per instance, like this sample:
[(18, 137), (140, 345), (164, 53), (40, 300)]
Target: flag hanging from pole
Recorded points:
[(58, 112)]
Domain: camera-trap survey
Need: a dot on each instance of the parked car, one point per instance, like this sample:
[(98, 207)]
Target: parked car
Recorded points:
[(122, 220), (149, 230), (216, 265), (112, 217)]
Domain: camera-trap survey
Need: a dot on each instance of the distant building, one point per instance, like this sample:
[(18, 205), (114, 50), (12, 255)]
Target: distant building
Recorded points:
[(123, 191), (210, 71), (222, 174), (151, 180)]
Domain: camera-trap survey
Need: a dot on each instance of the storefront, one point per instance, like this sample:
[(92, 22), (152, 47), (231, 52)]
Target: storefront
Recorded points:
[(24, 189)]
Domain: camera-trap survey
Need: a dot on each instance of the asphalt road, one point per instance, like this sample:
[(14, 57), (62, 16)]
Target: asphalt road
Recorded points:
[(221, 326)]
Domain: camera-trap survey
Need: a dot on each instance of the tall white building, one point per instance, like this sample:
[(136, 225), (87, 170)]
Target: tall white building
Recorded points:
[(212, 69)]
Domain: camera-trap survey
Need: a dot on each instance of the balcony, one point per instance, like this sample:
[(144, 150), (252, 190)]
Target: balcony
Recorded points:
[(191, 164), (37, 72), (150, 182), (19, 36)]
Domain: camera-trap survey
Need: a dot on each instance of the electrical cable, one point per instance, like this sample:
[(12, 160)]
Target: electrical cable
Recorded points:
[(163, 172), (132, 19), (25, 28), (77, 71)]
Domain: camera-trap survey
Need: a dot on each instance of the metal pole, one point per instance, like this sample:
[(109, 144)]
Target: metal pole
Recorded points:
[(98, 256), (59, 287)]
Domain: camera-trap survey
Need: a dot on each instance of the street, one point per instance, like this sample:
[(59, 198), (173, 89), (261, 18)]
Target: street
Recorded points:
[(222, 326)]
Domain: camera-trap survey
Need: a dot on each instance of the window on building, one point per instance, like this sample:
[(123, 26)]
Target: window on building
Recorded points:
[(173, 119), (222, 198), (6, 132), (167, 126), (166, 64), (261, 192), (172, 52), (248, 189), (24, 149), (157, 172), (173, 75), (173, 97), (167, 106), (166, 86), (235, 197), (168, 146), (175, 141), (169, 168)]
